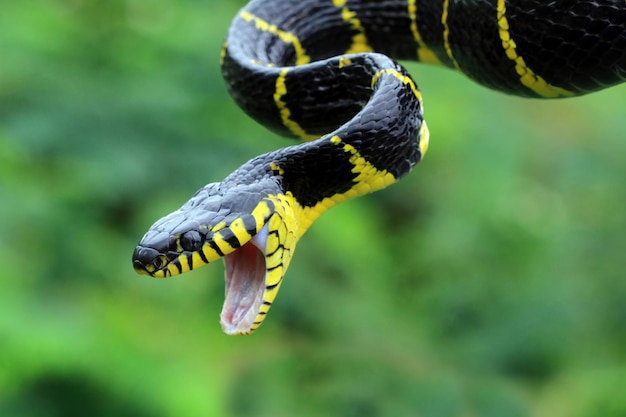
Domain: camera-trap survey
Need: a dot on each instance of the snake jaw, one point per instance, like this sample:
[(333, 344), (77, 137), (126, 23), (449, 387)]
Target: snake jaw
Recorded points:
[(245, 272), (254, 273)]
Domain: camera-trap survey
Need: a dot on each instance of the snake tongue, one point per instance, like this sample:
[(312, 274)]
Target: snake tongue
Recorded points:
[(245, 271)]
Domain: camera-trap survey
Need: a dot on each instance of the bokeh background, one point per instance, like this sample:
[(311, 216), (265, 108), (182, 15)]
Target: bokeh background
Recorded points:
[(490, 282)]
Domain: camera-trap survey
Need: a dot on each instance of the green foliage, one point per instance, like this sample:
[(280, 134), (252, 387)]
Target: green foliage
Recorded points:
[(489, 282)]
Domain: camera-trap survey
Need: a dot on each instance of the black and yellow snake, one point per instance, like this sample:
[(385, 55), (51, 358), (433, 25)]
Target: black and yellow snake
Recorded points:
[(305, 68)]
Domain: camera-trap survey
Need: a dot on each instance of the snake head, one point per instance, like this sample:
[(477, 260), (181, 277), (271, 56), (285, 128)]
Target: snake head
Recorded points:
[(251, 227)]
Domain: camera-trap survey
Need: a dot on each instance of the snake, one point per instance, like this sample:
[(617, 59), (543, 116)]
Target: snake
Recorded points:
[(327, 72)]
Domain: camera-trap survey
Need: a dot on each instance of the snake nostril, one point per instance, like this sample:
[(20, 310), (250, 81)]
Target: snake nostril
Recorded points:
[(142, 257), (138, 265)]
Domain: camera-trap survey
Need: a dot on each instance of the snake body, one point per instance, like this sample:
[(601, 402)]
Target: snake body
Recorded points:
[(320, 70)]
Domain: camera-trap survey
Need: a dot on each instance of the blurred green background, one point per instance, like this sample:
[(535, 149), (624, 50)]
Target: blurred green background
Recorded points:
[(489, 282)]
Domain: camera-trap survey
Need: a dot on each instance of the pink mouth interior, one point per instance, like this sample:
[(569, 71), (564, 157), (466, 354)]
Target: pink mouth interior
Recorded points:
[(245, 284)]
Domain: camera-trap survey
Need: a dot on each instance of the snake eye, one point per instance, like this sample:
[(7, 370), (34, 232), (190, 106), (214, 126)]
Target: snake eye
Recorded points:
[(191, 241)]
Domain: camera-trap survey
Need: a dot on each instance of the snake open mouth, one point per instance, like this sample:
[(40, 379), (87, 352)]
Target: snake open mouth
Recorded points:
[(245, 271)]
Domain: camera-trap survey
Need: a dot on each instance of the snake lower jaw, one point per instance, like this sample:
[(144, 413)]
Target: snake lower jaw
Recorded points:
[(246, 292)]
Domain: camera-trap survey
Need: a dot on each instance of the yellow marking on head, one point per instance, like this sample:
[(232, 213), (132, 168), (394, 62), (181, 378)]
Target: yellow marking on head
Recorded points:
[(287, 37), (159, 274), (239, 230), (169, 271), (527, 76), (285, 113), (150, 270), (222, 244), (446, 34), (183, 260), (424, 53), (261, 213), (209, 253), (197, 259), (218, 226), (359, 40)]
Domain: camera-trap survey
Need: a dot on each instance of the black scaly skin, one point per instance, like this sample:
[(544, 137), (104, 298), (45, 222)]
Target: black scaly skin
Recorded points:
[(318, 169), (529, 48), (577, 45)]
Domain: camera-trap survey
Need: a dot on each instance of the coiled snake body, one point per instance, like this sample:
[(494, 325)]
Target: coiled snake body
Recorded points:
[(307, 69)]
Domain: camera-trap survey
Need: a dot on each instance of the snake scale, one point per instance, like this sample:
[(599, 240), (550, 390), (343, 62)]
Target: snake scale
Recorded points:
[(324, 71)]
